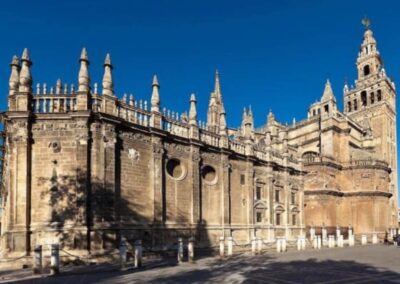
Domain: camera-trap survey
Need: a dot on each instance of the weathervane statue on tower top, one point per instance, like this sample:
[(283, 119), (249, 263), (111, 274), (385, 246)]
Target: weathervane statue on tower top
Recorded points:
[(366, 23)]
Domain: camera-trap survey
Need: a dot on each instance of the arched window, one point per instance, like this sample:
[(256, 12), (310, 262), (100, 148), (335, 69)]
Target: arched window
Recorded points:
[(366, 70), (364, 98), (355, 104), (309, 156), (372, 98), (349, 106)]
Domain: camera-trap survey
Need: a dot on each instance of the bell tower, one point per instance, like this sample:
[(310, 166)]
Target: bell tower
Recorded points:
[(374, 98)]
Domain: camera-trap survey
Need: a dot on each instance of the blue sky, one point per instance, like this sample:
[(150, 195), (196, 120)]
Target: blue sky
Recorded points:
[(270, 54)]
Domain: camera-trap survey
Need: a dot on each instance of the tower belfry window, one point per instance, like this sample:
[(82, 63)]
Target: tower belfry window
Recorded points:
[(355, 104), (366, 70), (364, 98), (349, 106), (372, 99), (379, 96)]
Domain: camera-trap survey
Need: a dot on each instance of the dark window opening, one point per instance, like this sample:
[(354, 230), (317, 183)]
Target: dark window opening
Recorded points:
[(258, 217), (326, 108), (349, 106), (364, 98), (294, 219), (242, 179), (319, 111), (379, 96), (366, 70), (278, 219), (355, 104), (372, 98), (277, 195), (258, 193), (314, 114)]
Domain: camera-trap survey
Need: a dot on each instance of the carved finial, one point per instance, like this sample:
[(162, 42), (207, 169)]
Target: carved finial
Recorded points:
[(108, 84), (25, 77), (44, 88), (155, 95), (65, 88), (14, 76), (72, 88), (222, 122), (38, 88), (193, 110), (83, 77), (366, 23), (95, 88), (131, 100), (58, 86), (51, 90), (124, 97)]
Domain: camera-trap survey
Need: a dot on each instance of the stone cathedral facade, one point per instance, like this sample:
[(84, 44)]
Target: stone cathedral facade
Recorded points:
[(85, 169)]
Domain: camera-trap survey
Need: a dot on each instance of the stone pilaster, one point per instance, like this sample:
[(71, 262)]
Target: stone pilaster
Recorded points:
[(158, 177), (226, 205), (195, 158)]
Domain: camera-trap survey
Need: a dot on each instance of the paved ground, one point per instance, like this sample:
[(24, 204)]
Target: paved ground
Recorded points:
[(367, 264)]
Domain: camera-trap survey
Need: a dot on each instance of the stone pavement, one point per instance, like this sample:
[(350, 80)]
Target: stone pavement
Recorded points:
[(362, 264)]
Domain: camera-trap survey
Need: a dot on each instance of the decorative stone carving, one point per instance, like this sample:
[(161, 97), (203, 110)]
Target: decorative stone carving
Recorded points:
[(134, 155), (55, 146)]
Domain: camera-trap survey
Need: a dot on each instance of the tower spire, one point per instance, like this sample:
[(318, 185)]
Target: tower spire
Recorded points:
[(25, 77), (193, 110), (328, 93), (14, 76), (83, 77), (155, 96), (108, 84)]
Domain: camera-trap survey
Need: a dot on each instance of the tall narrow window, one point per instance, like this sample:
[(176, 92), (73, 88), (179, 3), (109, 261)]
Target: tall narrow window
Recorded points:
[(258, 192), (326, 108), (242, 179), (294, 219), (277, 197), (258, 217), (364, 98), (379, 96), (355, 104), (293, 198), (349, 106), (278, 219), (366, 70), (372, 99)]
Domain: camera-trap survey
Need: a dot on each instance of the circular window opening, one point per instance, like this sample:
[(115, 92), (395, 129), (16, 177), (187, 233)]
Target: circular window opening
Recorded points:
[(175, 169), (209, 174)]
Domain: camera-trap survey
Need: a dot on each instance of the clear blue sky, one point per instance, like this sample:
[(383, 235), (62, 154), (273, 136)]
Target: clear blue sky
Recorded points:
[(270, 54)]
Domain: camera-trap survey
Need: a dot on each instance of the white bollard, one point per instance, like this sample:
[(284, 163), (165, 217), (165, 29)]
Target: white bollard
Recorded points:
[(324, 237), (55, 259), (259, 245), (374, 238), (138, 253), (331, 241), (299, 245), (123, 252), (278, 245), (312, 233), (337, 232), (283, 244), (253, 246), (364, 239), (230, 246), (315, 243), (37, 264), (221, 246), (191, 250), (351, 241), (340, 241), (303, 243), (180, 250), (319, 242)]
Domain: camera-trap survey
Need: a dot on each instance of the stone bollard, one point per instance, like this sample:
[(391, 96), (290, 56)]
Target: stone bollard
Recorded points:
[(37, 261), (374, 238), (123, 253), (299, 243), (259, 245), (221, 246), (230, 246), (340, 241), (180, 250), (364, 239), (278, 245), (319, 242), (191, 250), (351, 241), (315, 243), (283, 244), (337, 232), (253, 246), (331, 241), (324, 236), (312, 233), (55, 259), (138, 253)]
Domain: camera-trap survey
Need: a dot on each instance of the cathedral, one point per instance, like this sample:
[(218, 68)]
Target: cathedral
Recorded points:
[(85, 169)]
